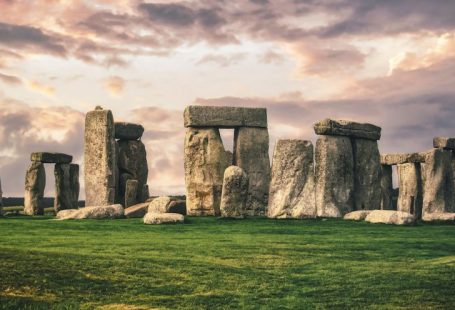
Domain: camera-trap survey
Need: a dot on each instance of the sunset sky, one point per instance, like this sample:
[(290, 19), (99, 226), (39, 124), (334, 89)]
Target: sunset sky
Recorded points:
[(389, 62)]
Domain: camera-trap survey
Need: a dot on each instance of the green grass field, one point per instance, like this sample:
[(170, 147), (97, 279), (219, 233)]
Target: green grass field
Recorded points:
[(209, 263)]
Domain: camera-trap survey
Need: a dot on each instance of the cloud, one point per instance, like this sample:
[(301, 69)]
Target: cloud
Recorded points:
[(41, 88), (10, 79), (114, 85), (222, 60)]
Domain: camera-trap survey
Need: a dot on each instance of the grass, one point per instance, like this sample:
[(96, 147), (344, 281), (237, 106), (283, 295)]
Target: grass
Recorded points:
[(209, 263)]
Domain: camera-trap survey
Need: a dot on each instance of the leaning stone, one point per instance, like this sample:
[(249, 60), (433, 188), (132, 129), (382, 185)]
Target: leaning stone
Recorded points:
[(51, 158), (35, 181), (357, 215), (367, 176), (133, 160), (347, 128), (438, 191), (100, 159), (131, 193), (443, 142), (205, 162), (97, 212), (251, 149), (235, 192), (397, 159), (386, 187), (163, 218), (334, 176), (439, 217), (224, 117), (390, 217), (292, 184), (136, 211), (128, 131), (410, 193), (64, 195)]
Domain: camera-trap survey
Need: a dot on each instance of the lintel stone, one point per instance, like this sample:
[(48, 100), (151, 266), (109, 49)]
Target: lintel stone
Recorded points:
[(51, 158), (225, 117), (444, 142), (351, 129), (404, 158)]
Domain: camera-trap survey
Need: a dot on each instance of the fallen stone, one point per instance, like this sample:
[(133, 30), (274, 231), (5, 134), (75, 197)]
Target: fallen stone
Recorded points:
[(136, 211), (35, 181), (386, 187), (397, 159), (205, 162), (131, 193), (357, 215), (438, 186), (443, 142), (367, 176), (165, 204), (177, 206), (51, 158), (347, 128), (410, 196), (235, 192), (390, 217), (224, 117), (163, 218), (251, 153), (97, 212), (100, 159), (64, 192), (292, 183), (439, 217), (334, 176), (128, 131), (132, 160)]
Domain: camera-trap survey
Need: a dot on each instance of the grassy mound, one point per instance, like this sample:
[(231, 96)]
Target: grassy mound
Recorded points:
[(215, 264)]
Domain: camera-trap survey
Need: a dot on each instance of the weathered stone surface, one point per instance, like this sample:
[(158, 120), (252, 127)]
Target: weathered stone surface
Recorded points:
[(367, 176), (35, 181), (205, 162), (386, 187), (396, 159), (128, 131), (95, 212), (65, 193), (444, 142), (163, 218), (292, 187), (334, 176), (235, 192), (133, 160), (359, 215), (439, 217), (347, 128), (145, 193), (251, 153), (230, 158), (131, 193), (390, 217), (100, 158), (438, 191), (165, 204), (410, 197), (224, 117), (51, 158), (136, 211)]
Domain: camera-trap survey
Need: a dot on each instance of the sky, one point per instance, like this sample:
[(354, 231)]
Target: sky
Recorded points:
[(388, 62)]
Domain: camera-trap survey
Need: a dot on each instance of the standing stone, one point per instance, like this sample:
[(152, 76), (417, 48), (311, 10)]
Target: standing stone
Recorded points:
[(334, 176), (251, 153), (367, 175), (132, 160), (35, 181), (205, 162), (438, 190), (100, 158), (131, 193), (235, 192), (386, 187), (145, 193), (64, 196), (292, 184), (74, 184), (410, 184)]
